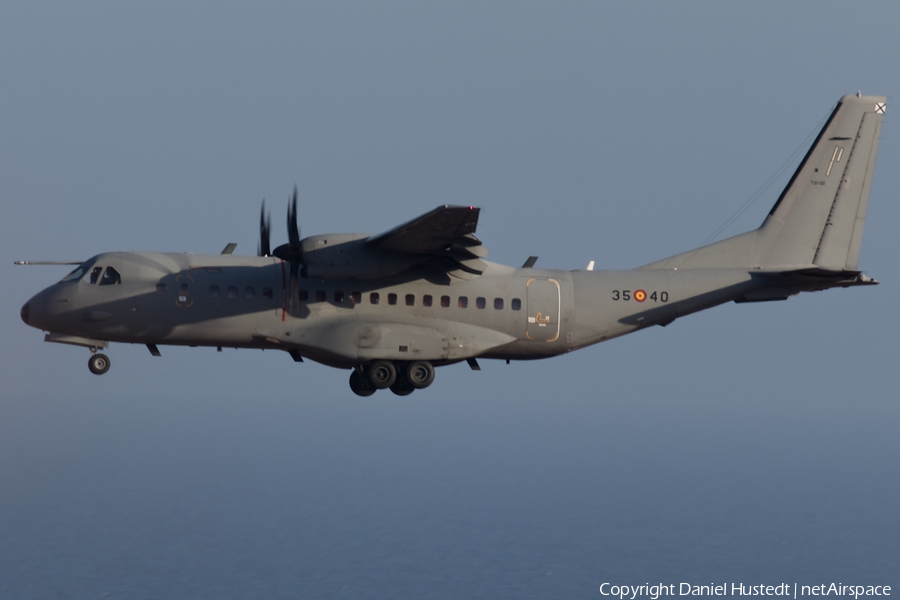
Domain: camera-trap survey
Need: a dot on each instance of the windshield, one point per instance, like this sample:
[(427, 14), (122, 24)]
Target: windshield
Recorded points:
[(74, 275), (95, 274), (110, 277)]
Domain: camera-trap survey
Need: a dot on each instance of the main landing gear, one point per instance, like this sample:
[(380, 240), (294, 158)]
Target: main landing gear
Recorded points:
[(401, 378)]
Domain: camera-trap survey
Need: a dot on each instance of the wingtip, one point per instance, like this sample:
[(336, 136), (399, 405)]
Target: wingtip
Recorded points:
[(865, 279)]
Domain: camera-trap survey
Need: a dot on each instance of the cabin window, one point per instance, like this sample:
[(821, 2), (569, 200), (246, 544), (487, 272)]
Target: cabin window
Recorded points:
[(267, 293), (250, 292), (445, 301), (213, 290), (374, 298), (392, 299), (95, 274), (498, 303), (463, 301), (516, 304), (479, 302), (160, 288), (320, 295), (302, 295), (356, 297), (110, 277), (231, 292), (410, 300), (426, 300), (338, 297)]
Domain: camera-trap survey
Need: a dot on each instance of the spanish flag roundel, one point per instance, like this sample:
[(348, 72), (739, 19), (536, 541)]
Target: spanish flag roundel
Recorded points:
[(640, 295)]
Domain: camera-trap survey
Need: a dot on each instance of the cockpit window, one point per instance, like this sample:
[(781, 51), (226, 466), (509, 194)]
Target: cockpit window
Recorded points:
[(95, 274), (110, 277), (74, 275)]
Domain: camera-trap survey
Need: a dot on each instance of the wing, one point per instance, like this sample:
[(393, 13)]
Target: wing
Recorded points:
[(446, 233)]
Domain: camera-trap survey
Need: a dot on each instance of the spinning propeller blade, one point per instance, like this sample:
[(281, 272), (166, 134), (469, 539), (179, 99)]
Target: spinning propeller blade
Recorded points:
[(293, 228), (292, 251), (294, 246), (265, 229)]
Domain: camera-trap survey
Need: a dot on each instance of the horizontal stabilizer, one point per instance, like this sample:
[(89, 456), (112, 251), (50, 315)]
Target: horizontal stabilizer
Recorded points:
[(827, 278)]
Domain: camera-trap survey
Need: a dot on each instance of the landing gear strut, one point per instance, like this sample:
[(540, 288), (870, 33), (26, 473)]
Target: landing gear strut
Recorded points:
[(98, 364)]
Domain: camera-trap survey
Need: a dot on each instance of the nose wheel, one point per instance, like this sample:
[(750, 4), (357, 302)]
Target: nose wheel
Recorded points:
[(98, 364)]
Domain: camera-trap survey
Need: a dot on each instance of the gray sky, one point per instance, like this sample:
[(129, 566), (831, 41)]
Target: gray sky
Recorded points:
[(614, 132), (586, 131)]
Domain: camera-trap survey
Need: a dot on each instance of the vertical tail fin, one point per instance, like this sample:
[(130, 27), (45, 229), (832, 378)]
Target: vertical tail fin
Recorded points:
[(818, 219), (820, 215)]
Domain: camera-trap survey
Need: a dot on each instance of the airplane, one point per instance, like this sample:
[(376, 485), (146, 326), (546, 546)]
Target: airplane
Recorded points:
[(393, 306)]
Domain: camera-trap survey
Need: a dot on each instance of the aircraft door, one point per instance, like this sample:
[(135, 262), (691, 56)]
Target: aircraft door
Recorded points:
[(543, 303)]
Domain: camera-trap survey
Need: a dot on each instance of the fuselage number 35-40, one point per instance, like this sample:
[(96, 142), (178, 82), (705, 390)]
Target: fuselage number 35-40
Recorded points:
[(640, 295)]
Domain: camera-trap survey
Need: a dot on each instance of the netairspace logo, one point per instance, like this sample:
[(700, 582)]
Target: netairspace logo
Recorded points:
[(632, 592)]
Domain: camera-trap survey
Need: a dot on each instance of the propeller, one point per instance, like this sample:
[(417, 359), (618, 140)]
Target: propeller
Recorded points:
[(292, 252), (265, 229), (293, 228)]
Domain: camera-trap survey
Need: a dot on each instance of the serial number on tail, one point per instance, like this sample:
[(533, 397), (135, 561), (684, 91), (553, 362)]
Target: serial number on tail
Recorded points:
[(639, 296)]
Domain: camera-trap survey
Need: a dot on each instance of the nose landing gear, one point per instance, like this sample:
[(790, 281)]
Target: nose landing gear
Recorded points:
[(402, 379), (98, 363)]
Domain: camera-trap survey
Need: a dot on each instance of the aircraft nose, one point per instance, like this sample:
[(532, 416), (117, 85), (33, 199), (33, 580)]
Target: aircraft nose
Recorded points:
[(35, 313)]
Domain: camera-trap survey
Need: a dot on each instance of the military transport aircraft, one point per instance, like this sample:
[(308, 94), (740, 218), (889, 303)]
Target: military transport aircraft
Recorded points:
[(391, 307)]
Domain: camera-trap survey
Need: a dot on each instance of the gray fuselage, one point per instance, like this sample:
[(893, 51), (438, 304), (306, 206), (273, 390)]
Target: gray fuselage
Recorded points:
[(244, 302)]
